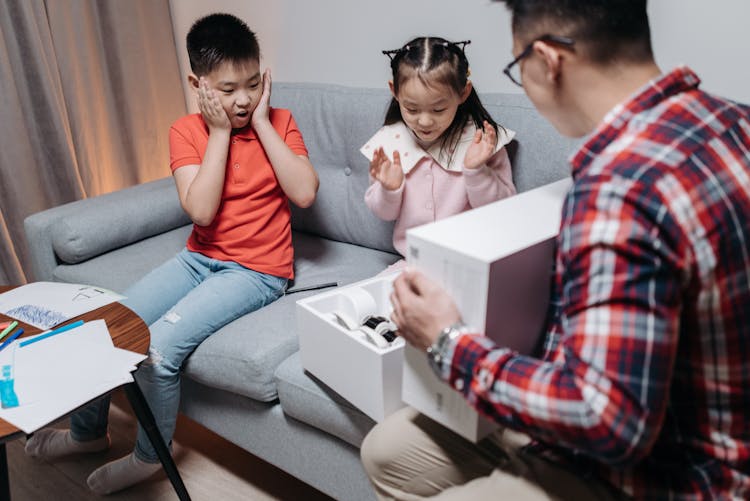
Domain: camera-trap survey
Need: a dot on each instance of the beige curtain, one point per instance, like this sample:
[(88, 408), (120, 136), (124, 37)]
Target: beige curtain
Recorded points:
[(88, 90)]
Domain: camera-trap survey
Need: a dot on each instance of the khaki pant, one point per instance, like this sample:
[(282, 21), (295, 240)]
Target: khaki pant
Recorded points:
[(408, 457)]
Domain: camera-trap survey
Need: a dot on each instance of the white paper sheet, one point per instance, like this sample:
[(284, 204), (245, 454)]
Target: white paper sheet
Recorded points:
[(59, 374), (46, 304)]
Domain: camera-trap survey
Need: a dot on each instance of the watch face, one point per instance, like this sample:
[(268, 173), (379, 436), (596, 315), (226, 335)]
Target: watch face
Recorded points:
[(436, 352)]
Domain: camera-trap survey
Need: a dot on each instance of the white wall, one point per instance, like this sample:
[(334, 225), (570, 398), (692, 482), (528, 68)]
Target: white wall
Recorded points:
[(339, 41)]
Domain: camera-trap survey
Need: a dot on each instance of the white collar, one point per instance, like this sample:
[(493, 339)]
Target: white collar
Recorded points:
[(398, 137)]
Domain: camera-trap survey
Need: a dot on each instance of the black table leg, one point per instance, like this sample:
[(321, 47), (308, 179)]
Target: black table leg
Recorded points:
[(4, 481), (146, 420)]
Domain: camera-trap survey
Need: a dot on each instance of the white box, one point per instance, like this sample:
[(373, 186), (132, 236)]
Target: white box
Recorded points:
[(496, 262), (367, 376)]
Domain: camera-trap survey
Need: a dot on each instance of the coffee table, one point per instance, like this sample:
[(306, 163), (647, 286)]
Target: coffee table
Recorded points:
[(130, 333)]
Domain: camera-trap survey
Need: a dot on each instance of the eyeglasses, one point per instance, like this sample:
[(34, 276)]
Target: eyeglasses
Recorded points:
[(513, 70)]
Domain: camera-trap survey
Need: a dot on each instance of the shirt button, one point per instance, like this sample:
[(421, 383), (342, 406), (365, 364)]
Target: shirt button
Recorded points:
[(234, 141), (236, 166), (347, 171), (484, 380)]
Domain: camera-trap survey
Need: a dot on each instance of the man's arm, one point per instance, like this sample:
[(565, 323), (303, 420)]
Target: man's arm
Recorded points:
[(605, 392)]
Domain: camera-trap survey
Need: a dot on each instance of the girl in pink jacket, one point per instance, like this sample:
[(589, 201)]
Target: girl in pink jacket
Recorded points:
[(439, 152)]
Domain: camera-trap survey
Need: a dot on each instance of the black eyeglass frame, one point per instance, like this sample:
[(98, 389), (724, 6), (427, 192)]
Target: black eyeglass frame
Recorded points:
[(566, 41)]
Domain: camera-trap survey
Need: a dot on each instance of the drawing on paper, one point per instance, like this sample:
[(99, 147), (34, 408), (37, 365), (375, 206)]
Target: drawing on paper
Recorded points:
[(87, 293), (46, 304), (37, 315)]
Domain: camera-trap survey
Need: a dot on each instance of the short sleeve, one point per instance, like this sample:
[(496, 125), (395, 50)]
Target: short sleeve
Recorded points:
[(293, 138), (183, 149)]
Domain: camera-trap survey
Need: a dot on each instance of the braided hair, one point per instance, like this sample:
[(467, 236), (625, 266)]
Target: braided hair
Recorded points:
[(436, 60)]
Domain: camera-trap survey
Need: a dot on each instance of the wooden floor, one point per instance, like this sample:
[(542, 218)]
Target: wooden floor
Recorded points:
[(212, 469)]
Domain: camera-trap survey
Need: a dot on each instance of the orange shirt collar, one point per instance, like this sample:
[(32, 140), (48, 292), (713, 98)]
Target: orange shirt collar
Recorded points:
[(246, 132)]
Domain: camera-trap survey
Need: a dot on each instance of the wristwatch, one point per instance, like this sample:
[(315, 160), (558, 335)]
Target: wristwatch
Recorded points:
[(436, 353)]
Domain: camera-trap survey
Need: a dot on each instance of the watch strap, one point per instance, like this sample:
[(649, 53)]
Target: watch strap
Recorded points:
[(437, 352)]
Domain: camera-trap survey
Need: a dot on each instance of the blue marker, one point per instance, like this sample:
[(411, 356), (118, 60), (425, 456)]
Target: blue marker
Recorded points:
[(59, 330), (11, 339), (8, 397)]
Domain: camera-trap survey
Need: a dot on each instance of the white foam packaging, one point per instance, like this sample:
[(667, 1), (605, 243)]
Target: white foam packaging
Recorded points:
[(366, 375), (496, 262)]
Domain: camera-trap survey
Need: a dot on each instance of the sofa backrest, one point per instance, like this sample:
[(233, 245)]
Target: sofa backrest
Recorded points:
[(336, 121)]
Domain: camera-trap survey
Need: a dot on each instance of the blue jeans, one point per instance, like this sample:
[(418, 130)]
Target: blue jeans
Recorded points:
[(183, 302)]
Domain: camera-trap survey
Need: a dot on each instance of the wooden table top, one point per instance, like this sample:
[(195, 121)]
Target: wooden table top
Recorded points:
[(126, 328)]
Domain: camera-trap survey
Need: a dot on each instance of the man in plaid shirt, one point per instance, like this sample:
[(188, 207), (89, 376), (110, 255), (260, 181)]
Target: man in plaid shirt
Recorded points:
[(643, 389)]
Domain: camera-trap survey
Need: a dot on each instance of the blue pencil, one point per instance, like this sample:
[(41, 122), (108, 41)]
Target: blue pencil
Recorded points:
[(11, 339), (59, 330)]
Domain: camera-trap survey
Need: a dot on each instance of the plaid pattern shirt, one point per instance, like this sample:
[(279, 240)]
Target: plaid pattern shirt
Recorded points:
[(645, 377)]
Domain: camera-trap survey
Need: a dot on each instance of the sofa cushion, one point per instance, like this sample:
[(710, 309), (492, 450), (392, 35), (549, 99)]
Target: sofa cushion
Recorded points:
[(306, 399), (242, 356), (99, 229), (118, 269), (538, 154), (320, 260), (335, 121)]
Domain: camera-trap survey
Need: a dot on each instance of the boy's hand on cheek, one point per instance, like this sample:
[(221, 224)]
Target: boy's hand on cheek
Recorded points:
[(210, 107), (260, 113), (482, 147), (389, 174)]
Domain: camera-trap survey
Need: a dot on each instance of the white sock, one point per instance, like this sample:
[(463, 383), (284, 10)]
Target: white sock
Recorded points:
[(52, 444), (121, 473)]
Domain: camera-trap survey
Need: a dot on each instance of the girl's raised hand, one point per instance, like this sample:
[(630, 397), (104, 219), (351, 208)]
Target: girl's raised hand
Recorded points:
[(389, 174), (210, 107), (260, 113), (482, 147)]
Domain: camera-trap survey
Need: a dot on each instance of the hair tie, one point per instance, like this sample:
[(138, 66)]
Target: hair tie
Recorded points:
[(462, 44), (458, 46), (392, 54)]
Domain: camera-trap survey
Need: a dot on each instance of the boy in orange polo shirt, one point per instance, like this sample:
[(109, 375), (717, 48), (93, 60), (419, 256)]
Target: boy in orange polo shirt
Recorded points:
[(236, 165)]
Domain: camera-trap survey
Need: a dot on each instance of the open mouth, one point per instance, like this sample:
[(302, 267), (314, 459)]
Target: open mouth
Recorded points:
[(240, 119)]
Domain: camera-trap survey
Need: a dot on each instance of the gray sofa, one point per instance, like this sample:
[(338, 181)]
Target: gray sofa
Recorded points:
[(245, 382)]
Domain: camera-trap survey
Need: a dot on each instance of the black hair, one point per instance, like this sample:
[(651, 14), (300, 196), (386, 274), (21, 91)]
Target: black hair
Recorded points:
[(219, 38), (605, 31), (434, 59)]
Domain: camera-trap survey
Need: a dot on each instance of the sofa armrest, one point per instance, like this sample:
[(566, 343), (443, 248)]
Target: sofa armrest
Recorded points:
[(77, 231)]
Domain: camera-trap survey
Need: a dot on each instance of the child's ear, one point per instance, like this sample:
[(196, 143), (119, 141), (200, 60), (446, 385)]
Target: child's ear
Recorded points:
[(466, 91), (194, 82), (393, 93)]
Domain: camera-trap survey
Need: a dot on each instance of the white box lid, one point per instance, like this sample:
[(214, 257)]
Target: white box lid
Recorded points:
[(521, 221)]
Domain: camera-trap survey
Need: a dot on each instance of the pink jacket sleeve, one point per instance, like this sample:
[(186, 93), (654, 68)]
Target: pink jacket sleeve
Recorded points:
[(384, 203), (490, 182)]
